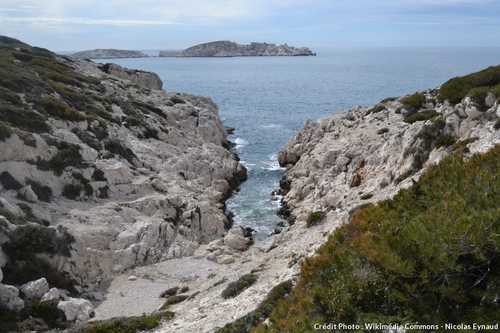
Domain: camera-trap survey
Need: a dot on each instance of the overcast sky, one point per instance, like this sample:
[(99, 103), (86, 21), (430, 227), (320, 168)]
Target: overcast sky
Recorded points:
[(75, 25)]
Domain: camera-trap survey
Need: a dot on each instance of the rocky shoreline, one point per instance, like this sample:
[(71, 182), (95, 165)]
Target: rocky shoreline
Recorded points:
[(162, 225)]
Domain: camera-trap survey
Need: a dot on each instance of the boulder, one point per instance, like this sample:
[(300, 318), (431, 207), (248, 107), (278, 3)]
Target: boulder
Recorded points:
[(77, 309), (9, 297), (35, 289), (50, 295), (28, 194), (236, 240)]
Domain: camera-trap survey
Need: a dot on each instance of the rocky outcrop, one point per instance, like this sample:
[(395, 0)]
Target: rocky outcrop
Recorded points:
[(35, 289), (77, 309), (232, 49), (109, 54), (122, 173), (367, 154), (142, 78)]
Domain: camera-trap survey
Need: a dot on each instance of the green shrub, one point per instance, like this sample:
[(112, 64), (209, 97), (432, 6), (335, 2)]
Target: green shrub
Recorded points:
[(429, 255), (25, 242), (68, 155), (314, 218), (251, 320), (116, 147), (420, 116), (455, 89), (174, 300), (366, 196), (126, 325), (445, 141), (414, 102), (72, 191), (98, 175), (8, 182), (5, 132), (233, 289), (57, 108), (170, 292), (497, 124)]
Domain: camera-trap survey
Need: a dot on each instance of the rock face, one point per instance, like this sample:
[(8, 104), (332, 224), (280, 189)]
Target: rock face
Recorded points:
[(35, 289), (9, 297), (232, 49), (142, 78), (134, 173), (367, 154), (108, 54)]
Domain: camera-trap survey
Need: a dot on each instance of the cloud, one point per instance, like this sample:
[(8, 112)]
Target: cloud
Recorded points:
[(48, 21)]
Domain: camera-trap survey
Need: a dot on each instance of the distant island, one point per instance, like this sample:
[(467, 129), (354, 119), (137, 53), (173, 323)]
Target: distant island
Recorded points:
[(109, 54), (232, 49)]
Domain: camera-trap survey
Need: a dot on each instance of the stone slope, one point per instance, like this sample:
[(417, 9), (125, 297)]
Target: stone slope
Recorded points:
[(134, 173), (109, 54), (367, 154), (232, 49)]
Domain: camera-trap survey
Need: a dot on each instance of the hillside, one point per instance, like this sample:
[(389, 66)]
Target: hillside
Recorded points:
[(232, 49)]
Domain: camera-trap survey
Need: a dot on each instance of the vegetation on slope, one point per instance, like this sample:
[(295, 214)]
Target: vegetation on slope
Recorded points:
[(429, 255), (477, 85)]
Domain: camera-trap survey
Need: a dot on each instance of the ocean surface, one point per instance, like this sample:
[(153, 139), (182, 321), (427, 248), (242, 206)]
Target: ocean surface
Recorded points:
[(267, 99)]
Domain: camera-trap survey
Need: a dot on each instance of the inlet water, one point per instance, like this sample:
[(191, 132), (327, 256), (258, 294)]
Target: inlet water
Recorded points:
[(267, 99)]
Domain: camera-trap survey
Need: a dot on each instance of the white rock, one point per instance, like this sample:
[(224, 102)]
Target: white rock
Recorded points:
[(77, 309), (35, 289), (490, 100), (1, 275), (27, 193), (236, 240), (132, 278), (225, 259), (9, 297), (50, 295)]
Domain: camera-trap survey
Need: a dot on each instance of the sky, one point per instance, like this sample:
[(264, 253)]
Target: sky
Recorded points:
[(76, 25)]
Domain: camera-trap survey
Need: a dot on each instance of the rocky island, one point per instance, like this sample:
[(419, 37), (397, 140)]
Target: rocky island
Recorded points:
[(112, 205), (109, 54), (232, 49)]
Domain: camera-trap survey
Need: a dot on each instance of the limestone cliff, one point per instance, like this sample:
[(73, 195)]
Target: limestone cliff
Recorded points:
[(99, 157), (109, 54), (366, 154), (232, 49)]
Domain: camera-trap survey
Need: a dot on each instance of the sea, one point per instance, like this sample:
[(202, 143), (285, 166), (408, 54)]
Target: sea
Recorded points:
[(267, 99)]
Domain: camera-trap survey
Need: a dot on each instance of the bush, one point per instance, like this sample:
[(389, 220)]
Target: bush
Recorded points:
[(429, 255), (233, 289), (71, 191), (68, 155), (455, 89), (5, 132), (126, 325), (8, 182), (116, 147), (420, 116), (414, 102), (25, 242), (314, 218), (247, 322), (59, 109), (174, 300), (98, 175), (445, 141)]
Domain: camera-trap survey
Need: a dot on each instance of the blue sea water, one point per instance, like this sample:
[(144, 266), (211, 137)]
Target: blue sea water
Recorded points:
[(267, 99)]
